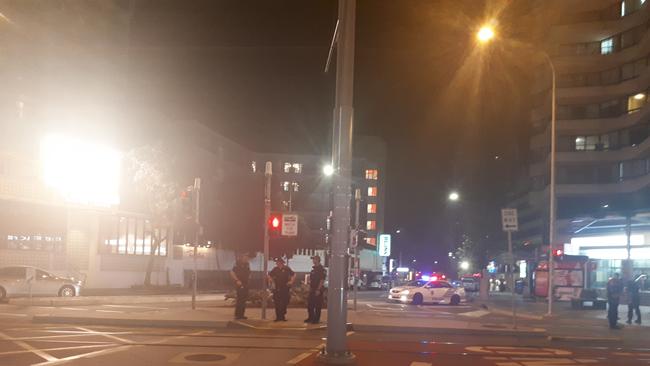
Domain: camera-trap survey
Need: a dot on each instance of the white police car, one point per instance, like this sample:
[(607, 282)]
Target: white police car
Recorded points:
[(420, 291)]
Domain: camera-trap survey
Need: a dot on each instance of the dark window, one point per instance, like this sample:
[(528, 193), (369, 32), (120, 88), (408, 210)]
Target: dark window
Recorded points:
[(13, 272)]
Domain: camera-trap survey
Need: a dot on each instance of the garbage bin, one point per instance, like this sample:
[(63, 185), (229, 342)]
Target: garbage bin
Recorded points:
[(519, 286)]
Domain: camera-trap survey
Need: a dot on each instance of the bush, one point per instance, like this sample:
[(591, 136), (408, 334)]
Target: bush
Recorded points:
[(298, 297)]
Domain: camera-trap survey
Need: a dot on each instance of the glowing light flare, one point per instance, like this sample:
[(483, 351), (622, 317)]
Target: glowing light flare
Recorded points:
[(328, 170), (485, 34), (640, 96), (464, 265), (81, 172), (454, 196)]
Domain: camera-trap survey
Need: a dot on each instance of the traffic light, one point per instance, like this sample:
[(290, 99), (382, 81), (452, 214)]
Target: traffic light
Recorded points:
[(188, 206), (557, 252), (275, 225)]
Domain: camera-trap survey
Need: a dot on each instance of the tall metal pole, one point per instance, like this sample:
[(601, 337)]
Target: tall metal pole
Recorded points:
[(197, 199), (268, 171), (336, 350), (552, 200), (512, 280), (357, 212)]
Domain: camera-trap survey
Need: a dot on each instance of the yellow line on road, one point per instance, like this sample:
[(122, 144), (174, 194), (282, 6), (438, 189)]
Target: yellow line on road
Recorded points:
[(299, 358)]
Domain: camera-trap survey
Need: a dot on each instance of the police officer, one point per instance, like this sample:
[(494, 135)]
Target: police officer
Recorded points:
[(634, 299), (240, 274), (282, 277), (315, 299), (614, 290)]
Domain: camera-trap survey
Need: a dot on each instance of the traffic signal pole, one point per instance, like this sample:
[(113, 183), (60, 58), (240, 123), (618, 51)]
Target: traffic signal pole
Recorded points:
[(268, 171), (357, 211), (196, 195), (336, 350)]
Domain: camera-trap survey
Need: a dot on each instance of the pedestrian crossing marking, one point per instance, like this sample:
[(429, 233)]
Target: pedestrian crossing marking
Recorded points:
[(417, 363), (476, 313)]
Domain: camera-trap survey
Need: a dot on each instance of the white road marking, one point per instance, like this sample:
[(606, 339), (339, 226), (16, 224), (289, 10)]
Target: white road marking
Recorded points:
[(134, 307), (417, 363), (75, 309), (109, 311), (7, 353), (103, 334), (298, 358), (13, 314), (85, 355), (36, 351)]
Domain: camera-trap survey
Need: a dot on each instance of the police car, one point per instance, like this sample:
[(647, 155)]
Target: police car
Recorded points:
[(433, 291)]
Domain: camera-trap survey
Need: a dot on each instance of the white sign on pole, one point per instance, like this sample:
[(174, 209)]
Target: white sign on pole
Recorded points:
[(509, 219), (384, 245), (289, 225)]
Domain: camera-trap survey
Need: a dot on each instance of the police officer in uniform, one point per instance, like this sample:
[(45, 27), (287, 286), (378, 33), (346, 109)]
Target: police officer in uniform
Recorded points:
[(240, 274), (282, 277), (316, 287), (614, 290)]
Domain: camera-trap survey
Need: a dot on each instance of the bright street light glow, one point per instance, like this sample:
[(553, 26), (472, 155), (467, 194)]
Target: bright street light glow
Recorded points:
[(454, 196), (485, 34), (81, 172), (464, 265), (328, 170)]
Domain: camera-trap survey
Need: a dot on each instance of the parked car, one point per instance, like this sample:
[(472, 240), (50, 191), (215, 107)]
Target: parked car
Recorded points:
[(421, 291), (16, 281), (471, 284)]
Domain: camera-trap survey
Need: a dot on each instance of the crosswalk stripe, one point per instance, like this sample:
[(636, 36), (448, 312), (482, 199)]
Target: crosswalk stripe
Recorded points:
[(298, 358), (417, 363), (475, 314)]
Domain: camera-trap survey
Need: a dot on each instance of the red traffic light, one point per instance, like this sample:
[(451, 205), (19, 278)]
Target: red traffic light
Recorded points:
[(275, 222), (558, 252)]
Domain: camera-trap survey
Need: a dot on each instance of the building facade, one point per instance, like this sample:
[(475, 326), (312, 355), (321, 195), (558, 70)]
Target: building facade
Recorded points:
[(600, 50)]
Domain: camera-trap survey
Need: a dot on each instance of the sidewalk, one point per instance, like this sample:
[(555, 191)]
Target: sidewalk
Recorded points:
[(112, 300), (222, 317)]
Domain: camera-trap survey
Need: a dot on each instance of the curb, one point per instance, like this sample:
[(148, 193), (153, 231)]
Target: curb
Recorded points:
[(450, 331), (584, 339), (245, 325), (158, 323), (109, 300), (519, 315)]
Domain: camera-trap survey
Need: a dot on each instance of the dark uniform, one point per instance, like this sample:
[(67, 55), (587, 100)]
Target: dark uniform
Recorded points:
[(243, 271), (634, 301), (614, 290), (281, 277), (315, 299)]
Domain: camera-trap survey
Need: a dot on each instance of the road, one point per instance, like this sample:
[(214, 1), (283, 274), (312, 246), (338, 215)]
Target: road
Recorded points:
[(25, 343)]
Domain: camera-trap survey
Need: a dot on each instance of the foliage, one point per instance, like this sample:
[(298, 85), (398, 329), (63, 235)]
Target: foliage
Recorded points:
[(151, 171)]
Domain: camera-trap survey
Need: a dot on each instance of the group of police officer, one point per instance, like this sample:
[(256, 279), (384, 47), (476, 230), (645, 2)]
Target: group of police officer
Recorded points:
[(281, 279)]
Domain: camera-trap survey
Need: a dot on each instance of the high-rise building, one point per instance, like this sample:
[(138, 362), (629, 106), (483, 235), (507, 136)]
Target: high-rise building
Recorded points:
[(601, 53)]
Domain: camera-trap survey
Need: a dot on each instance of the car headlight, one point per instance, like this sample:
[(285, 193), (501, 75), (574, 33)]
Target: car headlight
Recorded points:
[(405, 292)]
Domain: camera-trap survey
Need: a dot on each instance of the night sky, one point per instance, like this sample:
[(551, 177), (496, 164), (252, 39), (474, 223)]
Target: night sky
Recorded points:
[(253, 70)]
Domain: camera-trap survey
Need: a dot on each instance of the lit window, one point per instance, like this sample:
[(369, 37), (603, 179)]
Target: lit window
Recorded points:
[(372, 208), (371, 225), (580, 143), (297, 168), (296, 186), (372, 241), (607, 46), (287, 167), (372, 191), (635, 102), (372, 174), (254, 166), (285, 186)]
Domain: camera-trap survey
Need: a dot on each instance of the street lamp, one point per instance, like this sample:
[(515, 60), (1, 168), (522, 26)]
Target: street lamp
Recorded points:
[(484, 35), (464, 265), (328, 170), (454, 196)]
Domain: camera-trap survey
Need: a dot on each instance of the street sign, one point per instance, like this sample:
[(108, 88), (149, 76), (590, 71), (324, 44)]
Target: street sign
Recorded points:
[(289, 225), (509, 219), (384, 245)]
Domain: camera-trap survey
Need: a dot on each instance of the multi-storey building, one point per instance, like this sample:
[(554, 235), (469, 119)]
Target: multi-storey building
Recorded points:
[(601, 53)]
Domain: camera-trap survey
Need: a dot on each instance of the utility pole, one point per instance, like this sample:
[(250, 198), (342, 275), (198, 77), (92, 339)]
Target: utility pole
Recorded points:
[(552, 198), (357, 211), (197, 228), (511, 268), (268, 171), (336, 350)]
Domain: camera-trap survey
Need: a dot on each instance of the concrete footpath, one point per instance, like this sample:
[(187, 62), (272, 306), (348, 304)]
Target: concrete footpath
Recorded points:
[(113, 300), (222, 317)]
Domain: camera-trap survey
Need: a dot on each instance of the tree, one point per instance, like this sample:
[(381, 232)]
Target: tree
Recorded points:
[(469, 251), (151, 172)]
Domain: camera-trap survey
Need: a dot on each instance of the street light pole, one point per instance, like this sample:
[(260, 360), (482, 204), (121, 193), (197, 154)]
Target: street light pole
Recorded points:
[(336, 350), (552, 200), (357, 212), (268, 171)]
